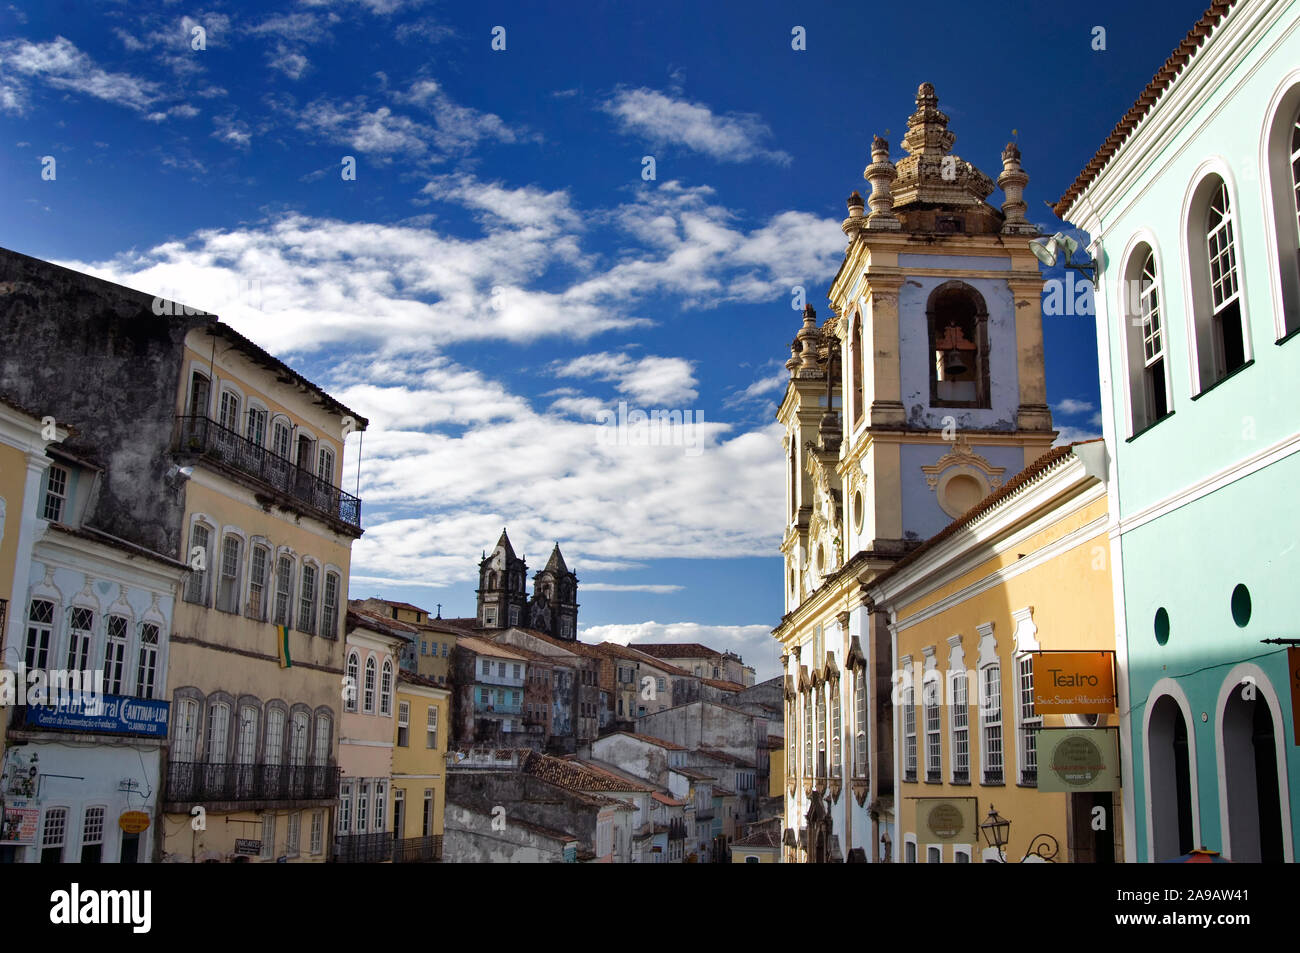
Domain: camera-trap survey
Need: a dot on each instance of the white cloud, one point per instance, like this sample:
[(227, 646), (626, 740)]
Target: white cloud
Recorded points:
[(1074, 435), (753, 643), (1070, 406), (61, 65), (733, 137), (651, 380)]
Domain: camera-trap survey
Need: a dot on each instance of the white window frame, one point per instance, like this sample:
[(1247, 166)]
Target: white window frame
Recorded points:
[(353, 677), (255, 603), (369, 684), (228, 583), (147, 661), (403, 724), (386, 688), (309, 570), (116, 673), (55, 498), (909, 752), (431, 728)]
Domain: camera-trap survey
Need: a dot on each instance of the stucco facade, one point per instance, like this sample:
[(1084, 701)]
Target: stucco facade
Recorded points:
[(1200, 380)]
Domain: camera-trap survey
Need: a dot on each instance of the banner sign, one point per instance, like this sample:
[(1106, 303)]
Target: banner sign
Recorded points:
[(19, 824), (946, 819), (1077, 683), (247, 847), (117, 715), (1078, 759)]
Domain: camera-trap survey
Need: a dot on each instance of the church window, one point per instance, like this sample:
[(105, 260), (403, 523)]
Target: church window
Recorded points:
[(957, 320), (855, 356), (514, 615)]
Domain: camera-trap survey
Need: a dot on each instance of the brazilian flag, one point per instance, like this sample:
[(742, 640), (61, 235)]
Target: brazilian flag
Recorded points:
[(282, 644)]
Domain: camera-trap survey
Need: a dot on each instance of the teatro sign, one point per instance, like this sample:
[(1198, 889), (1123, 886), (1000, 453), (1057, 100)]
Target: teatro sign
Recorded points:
[(1074, 683)]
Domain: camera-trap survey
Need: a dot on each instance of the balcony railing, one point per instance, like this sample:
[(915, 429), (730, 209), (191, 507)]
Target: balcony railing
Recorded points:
[(199, 781), (418, 850), (363, 848), (205, 436), (993, 776)]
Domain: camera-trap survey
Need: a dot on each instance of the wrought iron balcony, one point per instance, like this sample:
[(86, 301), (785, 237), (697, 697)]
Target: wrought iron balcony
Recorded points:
[(189, 781), (993, 776), (374, 848), (418, 850), (226, 447)]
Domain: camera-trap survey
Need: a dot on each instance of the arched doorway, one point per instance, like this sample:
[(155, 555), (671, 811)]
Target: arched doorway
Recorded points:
[(1250, 774), (1169, 780)]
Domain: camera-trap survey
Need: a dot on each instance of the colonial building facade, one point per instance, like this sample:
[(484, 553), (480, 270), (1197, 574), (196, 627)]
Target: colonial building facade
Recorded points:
[(921, 392), (1191, 207)]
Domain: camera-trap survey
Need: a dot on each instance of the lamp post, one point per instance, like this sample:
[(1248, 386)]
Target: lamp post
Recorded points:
[(995, 831)]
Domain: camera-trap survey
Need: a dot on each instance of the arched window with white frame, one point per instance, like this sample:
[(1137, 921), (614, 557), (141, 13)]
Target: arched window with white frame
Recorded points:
[(1142, 302), (185, 730), (1218, 330), (228, 578), (909, 723), (353, 682), (40, 634), (259, 568), (283, 590), (307, 598), (200, 558), (860, 722), (115, 665), (386, 688), (146, 670), (1281, 163), (368, 690)]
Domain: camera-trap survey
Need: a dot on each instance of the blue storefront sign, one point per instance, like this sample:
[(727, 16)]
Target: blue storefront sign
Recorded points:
[(115, 714)]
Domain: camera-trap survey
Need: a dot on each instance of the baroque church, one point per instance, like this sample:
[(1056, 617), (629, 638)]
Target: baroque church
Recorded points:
[(503, 599), (919, 393)]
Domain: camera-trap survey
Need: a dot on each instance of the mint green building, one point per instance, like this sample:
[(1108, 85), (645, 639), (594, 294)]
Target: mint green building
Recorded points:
[(1192, 210)]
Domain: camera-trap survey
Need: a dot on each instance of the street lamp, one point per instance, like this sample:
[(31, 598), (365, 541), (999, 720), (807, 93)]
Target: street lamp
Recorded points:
[(995, 831), (1047, 253)]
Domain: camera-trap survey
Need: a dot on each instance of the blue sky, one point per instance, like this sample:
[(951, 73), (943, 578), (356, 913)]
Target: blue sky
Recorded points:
[(499, 272)]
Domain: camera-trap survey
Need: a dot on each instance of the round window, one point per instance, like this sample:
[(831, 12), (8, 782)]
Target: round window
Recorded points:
[(857, 511), (1162, 625), (1241, 605)]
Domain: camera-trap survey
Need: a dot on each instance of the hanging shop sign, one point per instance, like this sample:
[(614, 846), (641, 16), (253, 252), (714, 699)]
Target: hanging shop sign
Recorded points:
[(133, 822), (1074, 683), (946, 819), (1078, 759)]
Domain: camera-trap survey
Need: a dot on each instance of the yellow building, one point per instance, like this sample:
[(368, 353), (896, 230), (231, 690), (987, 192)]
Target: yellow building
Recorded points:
[(978, 614), (256, 666), (420, 768)]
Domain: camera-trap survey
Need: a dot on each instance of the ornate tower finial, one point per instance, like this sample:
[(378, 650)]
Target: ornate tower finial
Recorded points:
[(927, 128), (808, 337), (1012, 181), (881, 174), (854, 223)]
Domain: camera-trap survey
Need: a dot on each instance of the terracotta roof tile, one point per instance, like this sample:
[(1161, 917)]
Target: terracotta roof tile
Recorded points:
[(648, 739), (675, 650), (574, 775)]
